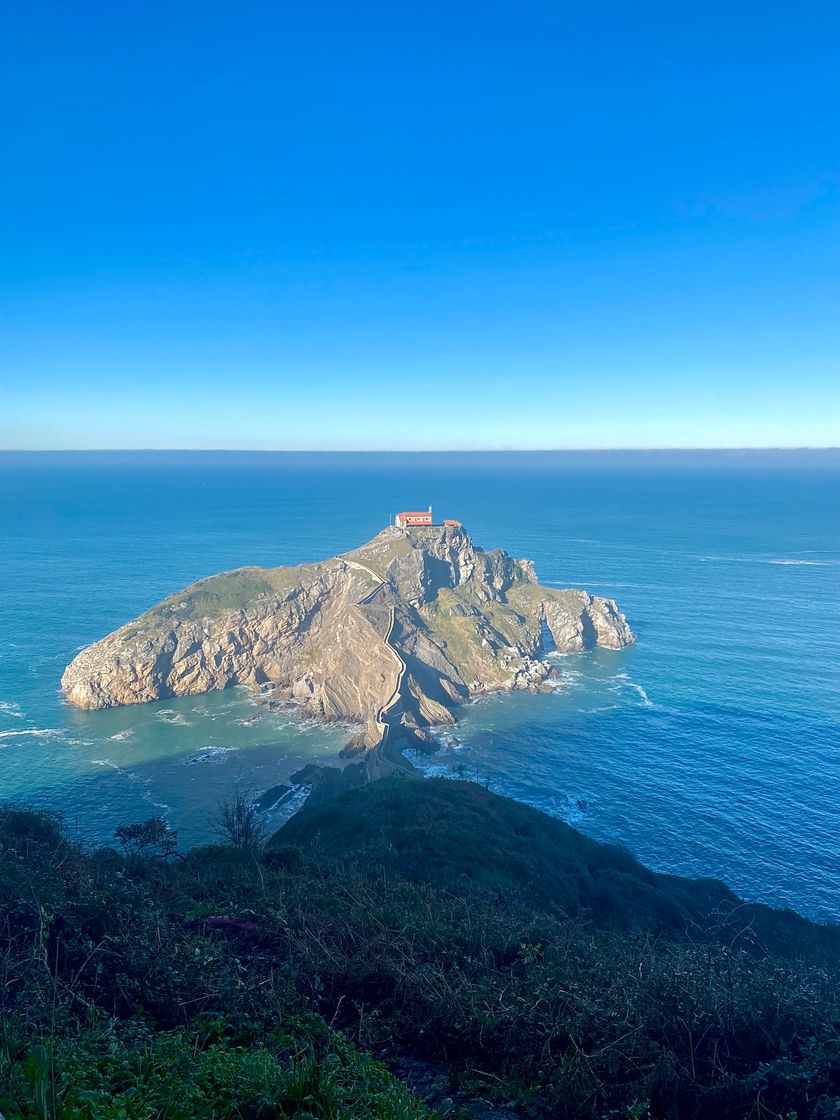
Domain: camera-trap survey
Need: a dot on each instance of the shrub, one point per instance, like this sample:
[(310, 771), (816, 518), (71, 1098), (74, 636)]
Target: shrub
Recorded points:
[(181, 1076), (19, 823), (151, 837), (238, 821), (236, 969)]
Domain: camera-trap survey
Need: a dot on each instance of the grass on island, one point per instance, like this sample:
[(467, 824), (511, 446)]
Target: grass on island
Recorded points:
[(429, 930), (462, 633), (230, 591)]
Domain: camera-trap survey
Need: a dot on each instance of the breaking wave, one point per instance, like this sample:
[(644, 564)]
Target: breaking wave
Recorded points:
[(210, 754), (625, 682), (169, 715), (788, 563), (38, 732), (293, 803), (799, 563)]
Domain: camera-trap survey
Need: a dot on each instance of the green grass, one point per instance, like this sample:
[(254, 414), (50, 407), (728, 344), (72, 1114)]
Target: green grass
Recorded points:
[(212, 597), (381, 555), (420, 924), (463, 639), (457, 834), (196, 1074), (231, 591)]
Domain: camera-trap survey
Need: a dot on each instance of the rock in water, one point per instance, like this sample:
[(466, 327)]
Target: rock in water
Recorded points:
[(397, 633)]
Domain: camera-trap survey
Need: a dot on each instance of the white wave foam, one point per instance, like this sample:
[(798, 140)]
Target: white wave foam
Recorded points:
[(646, 700), (556, 684), (293, 803), (448, 739), (622, 681), (568, 808), (565, 681), (121, 736), (278, 801), (598, 586), (763, 560), (433, 766), (169, 715), (422, 761), (105, 762), (147, 797), (10, 708), (210, 754), (39, 732), (566, 678)]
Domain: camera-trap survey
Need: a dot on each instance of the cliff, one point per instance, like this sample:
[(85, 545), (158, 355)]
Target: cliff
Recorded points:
[(397, 633)]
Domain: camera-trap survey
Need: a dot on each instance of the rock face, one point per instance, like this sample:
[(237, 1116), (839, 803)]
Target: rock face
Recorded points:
[(395, 634)]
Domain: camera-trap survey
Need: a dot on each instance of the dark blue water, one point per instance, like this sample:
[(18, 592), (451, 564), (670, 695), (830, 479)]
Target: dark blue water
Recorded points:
[(712, 747)]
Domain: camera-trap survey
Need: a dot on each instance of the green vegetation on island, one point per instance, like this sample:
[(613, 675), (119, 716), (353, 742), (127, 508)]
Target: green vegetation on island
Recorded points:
[(393, 636)]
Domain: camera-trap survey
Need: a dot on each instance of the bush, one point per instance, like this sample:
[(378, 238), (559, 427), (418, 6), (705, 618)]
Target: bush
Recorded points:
[(18, 823), (183, 1076), (237, 970), (151, 837), (238, 821)]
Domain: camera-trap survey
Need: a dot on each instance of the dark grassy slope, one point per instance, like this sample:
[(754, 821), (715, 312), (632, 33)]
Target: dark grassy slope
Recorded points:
[(122, 999), (455, 935), (451, 833)]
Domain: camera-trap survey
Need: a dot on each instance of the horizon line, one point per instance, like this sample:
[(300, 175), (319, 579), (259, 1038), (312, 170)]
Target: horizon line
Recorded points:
[(418, 450)]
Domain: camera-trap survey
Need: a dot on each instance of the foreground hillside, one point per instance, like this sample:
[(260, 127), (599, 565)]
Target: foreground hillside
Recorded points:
[(409, 940), (456, 834)]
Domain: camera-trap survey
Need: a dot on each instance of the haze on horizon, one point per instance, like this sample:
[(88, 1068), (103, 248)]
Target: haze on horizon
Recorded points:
[(281, 226)]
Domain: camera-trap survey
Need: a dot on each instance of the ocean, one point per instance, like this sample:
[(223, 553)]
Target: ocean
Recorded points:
[(712, 747)]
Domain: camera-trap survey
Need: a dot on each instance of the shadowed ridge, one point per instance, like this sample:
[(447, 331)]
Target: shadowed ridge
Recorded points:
[(448, 832)]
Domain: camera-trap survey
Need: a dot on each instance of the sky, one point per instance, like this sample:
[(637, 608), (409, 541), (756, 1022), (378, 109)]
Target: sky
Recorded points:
[(419, 225)]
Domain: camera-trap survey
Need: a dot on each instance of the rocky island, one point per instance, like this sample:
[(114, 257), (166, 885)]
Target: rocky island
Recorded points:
[(394, 635)]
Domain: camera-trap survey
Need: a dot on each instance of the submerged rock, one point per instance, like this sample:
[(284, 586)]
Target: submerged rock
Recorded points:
[(395, 634), (271, 798)]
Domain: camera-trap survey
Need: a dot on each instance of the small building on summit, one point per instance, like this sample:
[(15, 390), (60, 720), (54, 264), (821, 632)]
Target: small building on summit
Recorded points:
[(420, 518), (410, 519)]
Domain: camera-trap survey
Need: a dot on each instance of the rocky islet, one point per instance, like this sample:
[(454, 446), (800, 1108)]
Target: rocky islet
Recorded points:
[(394, 635)]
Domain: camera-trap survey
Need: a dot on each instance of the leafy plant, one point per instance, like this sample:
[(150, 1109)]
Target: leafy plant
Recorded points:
[(150, 837), (430, 924), (238, 821)]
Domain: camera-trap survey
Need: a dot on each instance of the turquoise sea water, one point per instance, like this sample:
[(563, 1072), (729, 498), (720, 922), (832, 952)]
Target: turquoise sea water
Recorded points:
[(712, 747)]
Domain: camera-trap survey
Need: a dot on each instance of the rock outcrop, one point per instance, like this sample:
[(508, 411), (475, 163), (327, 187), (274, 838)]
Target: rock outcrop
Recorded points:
[(396, 634)]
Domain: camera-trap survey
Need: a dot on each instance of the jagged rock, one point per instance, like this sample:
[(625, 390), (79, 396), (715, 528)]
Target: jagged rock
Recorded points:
[(610, 624), (271, 798), (401, 631)]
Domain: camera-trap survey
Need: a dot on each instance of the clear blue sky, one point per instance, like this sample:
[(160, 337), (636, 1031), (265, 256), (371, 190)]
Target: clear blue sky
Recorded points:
[(421, 225)]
